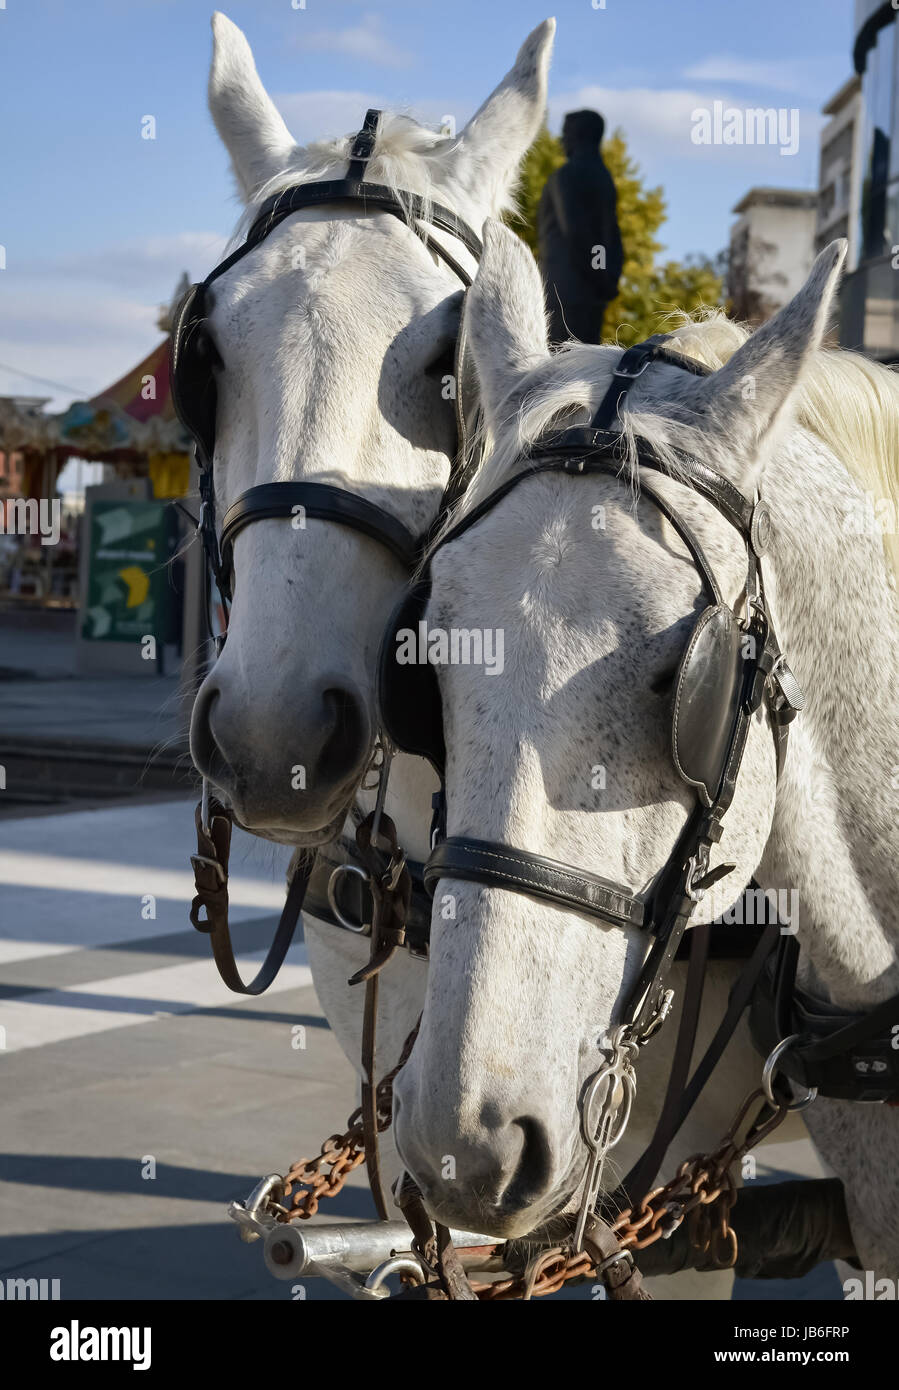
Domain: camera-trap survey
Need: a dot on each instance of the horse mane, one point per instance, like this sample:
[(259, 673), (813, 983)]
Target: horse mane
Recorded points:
[(850, 403), (407, 158)]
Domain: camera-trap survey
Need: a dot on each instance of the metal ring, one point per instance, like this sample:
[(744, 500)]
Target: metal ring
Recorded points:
[(768, 1072), (397, 1264), (345, 922), (622, 1111)]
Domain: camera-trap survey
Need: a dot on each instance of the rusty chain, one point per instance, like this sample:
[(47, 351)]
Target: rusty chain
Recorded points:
[(702, 1193), (340, 1154)]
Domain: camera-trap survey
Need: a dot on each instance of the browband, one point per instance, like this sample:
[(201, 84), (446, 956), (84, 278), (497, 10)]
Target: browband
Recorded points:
[(372, 196)]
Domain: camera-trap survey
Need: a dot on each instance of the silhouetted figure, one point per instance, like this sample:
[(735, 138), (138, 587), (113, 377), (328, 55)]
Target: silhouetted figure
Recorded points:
[(577, 225)]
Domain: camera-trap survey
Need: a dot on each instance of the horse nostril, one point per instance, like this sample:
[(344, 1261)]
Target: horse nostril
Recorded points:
[(533, 1173), (203, 747), (206, 752), (345, 744)]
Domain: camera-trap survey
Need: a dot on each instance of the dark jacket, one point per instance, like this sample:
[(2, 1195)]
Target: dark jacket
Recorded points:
[(577, 212)]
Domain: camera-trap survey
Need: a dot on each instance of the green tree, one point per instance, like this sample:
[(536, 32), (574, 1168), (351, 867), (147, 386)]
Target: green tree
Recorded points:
[(648, 293)]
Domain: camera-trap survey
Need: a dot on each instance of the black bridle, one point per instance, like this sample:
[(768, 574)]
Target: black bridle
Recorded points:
[(665, 914), (194, 393), (739, 663), (194, 388)]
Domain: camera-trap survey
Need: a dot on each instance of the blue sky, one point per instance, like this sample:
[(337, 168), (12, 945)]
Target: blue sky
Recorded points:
[(98, 224)]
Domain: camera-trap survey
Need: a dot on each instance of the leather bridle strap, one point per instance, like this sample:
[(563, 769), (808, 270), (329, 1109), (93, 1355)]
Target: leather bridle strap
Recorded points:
[(641, 1176), (499, 866), (585, 442), (322, 502), (210, 866), (640, 1179), (633, 363), (374, 197)]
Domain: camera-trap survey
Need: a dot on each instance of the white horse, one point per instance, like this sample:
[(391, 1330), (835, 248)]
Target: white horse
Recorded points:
[(336, 336), (521, 994)]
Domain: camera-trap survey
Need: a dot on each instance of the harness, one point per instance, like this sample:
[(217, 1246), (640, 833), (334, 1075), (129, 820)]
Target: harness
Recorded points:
[(722, 681), (731, 666), (195, 396)]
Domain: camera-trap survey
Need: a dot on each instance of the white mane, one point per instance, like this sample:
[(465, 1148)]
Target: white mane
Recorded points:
[(849, 402), (407, 158)]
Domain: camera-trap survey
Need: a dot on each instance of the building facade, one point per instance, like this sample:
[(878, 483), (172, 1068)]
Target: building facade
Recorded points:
[(772, 248), (839, 178), (869, 315)]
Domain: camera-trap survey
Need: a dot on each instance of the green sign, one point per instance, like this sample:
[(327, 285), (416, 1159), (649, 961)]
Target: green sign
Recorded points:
[(129, 593)]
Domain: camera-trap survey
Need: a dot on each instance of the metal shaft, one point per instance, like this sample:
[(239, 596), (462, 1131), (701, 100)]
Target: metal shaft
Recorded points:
[(359, 1247)]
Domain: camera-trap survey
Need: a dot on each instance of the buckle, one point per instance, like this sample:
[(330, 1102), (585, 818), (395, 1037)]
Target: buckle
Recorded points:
[(202, 859), (658, 1017), (791, 691), (639, 372), (360, 928), (697, 868), (610, 1260)]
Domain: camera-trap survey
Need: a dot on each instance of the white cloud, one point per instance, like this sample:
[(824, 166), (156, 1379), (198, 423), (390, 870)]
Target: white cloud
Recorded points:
[(809, 75), (79, 339), (659, 124), (365, 40), (325, 115), (85, 319), (130, 263)]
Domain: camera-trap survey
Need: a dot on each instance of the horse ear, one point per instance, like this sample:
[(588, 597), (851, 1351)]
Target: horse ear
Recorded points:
[(252, 130), (483, 161), (505, 318), (748, 398)]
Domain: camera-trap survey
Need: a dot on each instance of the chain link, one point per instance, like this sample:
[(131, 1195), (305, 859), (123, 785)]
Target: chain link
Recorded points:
[(340, 1154), (702, 1193)]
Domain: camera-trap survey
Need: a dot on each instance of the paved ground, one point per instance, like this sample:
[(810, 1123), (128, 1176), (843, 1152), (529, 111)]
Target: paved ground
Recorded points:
[(42, 697), (122, 1047)]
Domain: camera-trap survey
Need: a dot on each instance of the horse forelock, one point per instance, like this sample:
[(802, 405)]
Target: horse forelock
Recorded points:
[(407, 158)]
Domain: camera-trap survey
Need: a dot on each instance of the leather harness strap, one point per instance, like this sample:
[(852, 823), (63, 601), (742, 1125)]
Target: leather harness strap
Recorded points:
[(210, 866), (680, 1098), (316, 500), (614, 1263), (391, 889), (523, 872), (640, 1179)]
